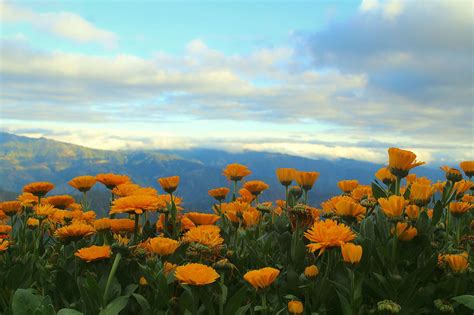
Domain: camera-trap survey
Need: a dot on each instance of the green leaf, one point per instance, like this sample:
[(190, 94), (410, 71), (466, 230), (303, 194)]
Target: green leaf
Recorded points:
[(466, 300), (236, 301), (145, 306), (378, 191), (25, 301), (114, 307), (68, 311), (437, 212)]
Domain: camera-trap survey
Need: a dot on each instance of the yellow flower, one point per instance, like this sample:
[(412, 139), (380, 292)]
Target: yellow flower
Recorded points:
[(400, 162), (306, 179), (32, 222), (421, 194), (205, 235), (286, 175), (219, 193), (196, 274), (459, 208), (60, 202), (261, 278), (112, 180), (125, 190), (45, 210), (74, 232), (135, 204), (405, 232), (412, 212), (347, 185), (143, 281), (122, 225), (351, 253), (311, 271), (255, 187), (393, 206), (199, 218), (457, 262), (93, 253), (3, 245), (467, 167), (326, 234), (385, 176), (162, 246), (82, 183), (39, 189), (236, 172), (346, 207), (169, 184), (10, 208), (295, 307), (251, 217)]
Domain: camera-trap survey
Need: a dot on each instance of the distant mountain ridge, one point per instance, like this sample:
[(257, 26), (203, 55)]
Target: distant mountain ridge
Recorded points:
[(24, 160)]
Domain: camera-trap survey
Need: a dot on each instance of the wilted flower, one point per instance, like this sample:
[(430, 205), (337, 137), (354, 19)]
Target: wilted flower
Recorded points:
[(169, 184), (199, 218), (60, 202), (311, 271), (255, 187), (326, 234), (467, 167), (347, 185), (135, 204), (261, 278), (235, 172), (285, 175), (219, 193), (112, 180), (162, 246), (39, 189), (82, 183), (74, 232), (306, 179), (196, 274), (94, 253), (385, 176), (10, 208), (405, 232), (351, 253), (400, 162), (457, 262), (295, 307), (393, 206)]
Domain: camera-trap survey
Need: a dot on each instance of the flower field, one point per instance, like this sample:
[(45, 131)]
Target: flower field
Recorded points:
[(402, 245)]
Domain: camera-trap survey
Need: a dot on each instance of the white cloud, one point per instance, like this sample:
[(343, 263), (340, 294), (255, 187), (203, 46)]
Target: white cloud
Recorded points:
[(389, 8)]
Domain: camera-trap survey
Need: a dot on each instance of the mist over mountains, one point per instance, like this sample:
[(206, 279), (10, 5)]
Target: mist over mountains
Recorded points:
[(24, 160)]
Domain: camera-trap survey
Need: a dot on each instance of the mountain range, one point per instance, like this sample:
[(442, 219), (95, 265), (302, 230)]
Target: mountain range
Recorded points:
[(24, 160)]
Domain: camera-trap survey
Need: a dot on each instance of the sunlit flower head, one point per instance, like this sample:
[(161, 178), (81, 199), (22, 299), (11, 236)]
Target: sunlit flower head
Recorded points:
[(32, 222), (94, 253), (262, 278), (150, 191), (404, 231), (45, 210), (112, 180), (60, 202), (348, 185), (458, 263), (351, 253), (459, 208), (39, 189), (27, 199), (311, 271), (83, 183), (439, 186), (362, 192), (400, 162), (393, 206), (102, 224), (125, 190), (169, 184), (235, 172), (162, 246), (295, 307), (4, 230), (199, 218), (452, 174), (306, 179), (74, 232), (411, 178), (326, 234), (136, 204), (285, 175), (196, 274), (412, 212), (385, 176), (10, 208), (347, 207), (219, 193), (462, 186), (467, 167), (57, 216), (468, 198), (256, 187), (420, 194), (121, 225), (245, 196), (204, 235), (251, 217)]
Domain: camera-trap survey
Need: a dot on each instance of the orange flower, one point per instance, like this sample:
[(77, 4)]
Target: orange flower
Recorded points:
[(125, 190), (4, 230), (162, 246), (4, 245), (351, 253), (74, 232), (439, 186), (27, 199), (311, 271), (169, 184), (102, 224), (459, 208), (251, 217), (467, 167), (286, 175), (10, 208), (326, 234), (452, 174), (82, 183), (219, 193), (362, 192), (405, 232), (112, 180), (32, 222), (169, 267), (57, 216), (400, 162), (393, 206), (295, 307), (255, 187), (45, 210), (412, 211), (236, 172), (462, 186), (94, 253), (60, 202), (261, 278), (202, 218), (136, 204), (208, 235), (421, 194), (150, 191), (306, 179), (468, 198), (196, 274), (122, 225), (347, 185), (457, 262), (346, 207), (39, 189), (245, 195), (385, 176)]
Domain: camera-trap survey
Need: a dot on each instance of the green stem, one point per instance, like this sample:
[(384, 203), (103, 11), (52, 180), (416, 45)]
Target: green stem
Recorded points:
[(398, 182), (286, 195), (235, 191), (111, 275), (305, 197), (264, 303), (135, 232)]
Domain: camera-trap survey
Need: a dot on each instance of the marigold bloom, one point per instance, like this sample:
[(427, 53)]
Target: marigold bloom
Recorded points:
[(4, 245), (32, 222), (74, 232), (125, 190), (102, 224), (348, 185), (459, 208), (411, 178), (169, 184), (295, 307), (199, 218), (452, 174), (122, 225), (45, 210), (39, 189), (439, 186), (462, 186), (421, 194), (82, 183), (457, 262), (256, 187), (196, 274), (94, 253), (348, 208), (261, 278), (251, 217), (405, 232), (361, 192), (306, 179), (400, 162), (236, 172), (112, 180), (60, 202), (412, 212), (467, 167), (393, 206), (204, 235), (5, 229), (385, 176), (219, 193), (27, 199), (326, 234), (169, 267), (351, 253), (286, 175), (311, 271), (162, 246), (10, 208), (468, 198), (245, 195), (136, 204), (150, 191), (55, 215)]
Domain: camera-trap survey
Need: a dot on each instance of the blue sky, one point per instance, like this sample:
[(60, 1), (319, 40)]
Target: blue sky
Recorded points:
[(315, 78)]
